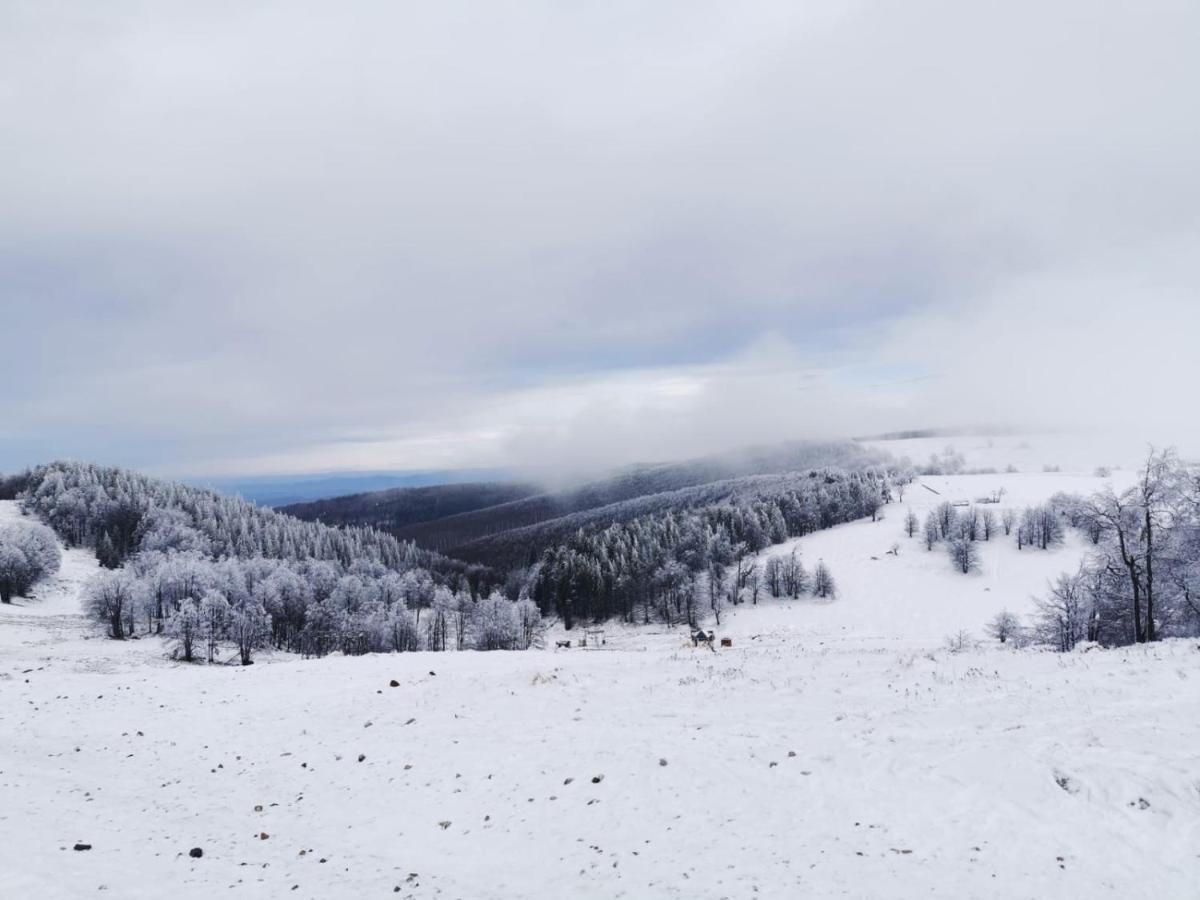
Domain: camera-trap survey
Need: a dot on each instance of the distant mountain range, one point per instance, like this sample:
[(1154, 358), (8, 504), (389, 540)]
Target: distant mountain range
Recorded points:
[(506, 523), (280, 490)]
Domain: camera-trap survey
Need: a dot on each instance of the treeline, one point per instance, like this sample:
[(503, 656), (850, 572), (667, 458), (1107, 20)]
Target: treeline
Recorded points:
[(1142, 580), (960, 529), (680, 566), (397, 508), (190, 558), (314, 608), (503, 533)]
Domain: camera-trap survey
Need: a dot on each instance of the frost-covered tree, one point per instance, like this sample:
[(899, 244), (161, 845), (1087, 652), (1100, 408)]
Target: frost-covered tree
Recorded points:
[(530, 626), (823, 585), (947, 519), (495, 625), (1063, 614), (716, 596), (1147, 551), (28, 553), (1040, 526), (960, 642), (933, 531), (795, 578), (988, 523), (441, 614), (403, 634), (773, 576), (109, 596), (214, 610), (1004, 627), (462, 612), (249, 629), (964, 554), (184, 626), (618, 571), (911, 523)]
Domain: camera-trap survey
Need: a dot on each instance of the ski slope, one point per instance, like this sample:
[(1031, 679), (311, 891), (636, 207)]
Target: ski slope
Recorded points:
[(834, 750)]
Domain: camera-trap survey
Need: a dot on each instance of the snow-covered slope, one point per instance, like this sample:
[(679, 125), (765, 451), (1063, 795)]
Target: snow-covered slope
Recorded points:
[(917, 597), (55, 605), (832, 751)]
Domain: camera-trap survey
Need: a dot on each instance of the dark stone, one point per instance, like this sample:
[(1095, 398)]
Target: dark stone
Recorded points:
[(83, 846), (393, 683), (195, 853)]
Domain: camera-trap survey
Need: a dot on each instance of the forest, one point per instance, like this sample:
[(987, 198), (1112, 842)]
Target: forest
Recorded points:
[(505, 525), (212, 571), (679, 566)]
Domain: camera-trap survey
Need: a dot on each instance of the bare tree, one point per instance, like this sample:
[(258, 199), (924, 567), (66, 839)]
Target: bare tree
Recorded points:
[(794, 576), (109, 595), (773, 573), (932, 530), (989, 524), (716, 592), (960, 641), (823, 584), (965, 554), (1063, 614), (1004, 626)]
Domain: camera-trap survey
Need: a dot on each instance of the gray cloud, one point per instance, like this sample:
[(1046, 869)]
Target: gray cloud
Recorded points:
[(249, 237)]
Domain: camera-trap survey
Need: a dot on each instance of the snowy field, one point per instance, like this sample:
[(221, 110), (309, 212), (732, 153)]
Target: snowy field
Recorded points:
[(915, 598), (836, 750)]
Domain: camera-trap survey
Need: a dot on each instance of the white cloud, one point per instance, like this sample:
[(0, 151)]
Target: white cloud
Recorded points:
[(282, 236)]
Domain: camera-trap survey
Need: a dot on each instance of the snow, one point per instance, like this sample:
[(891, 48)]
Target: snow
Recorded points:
[(917, 597), (835, 750), (1028, 452)]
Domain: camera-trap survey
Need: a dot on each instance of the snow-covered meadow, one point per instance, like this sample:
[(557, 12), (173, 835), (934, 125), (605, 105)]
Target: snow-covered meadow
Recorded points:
[(835, 749), (915, 597)]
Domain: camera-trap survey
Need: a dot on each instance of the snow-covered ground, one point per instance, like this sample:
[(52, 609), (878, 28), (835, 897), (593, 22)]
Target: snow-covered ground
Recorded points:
[(1028, 452), (916, 597), (834, 750)]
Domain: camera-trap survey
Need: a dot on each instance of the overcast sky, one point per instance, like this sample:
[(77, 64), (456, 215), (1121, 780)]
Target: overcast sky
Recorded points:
[(244, 237)]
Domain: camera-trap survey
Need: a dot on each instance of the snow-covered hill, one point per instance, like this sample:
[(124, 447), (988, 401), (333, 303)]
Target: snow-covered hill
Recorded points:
[(916, 597), (833, 750)]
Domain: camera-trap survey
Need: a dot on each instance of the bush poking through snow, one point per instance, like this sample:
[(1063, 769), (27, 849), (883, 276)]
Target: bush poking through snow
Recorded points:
[(959, 642)]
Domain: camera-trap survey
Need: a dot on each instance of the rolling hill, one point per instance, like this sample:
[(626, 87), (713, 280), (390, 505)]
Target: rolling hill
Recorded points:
[(503, 524)]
